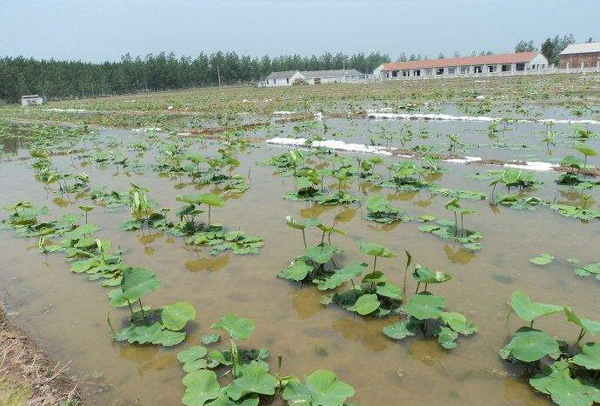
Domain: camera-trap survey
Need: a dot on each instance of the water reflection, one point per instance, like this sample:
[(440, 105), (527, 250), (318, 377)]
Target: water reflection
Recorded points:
[(307, 301), (458, 255), (366, 332), (428, 351), (211, 264)]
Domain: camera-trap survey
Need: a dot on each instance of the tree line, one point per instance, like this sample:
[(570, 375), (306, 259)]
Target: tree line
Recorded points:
[(158, 72), (551, 47)]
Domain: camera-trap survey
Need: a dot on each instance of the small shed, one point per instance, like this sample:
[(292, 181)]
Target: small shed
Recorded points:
[(581, 56), (31, 100)]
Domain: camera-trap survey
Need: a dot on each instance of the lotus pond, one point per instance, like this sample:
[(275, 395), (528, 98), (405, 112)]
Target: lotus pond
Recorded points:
[(183, 266)]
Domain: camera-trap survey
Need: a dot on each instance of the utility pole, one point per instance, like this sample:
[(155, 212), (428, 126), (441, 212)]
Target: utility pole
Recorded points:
[(219, 77)]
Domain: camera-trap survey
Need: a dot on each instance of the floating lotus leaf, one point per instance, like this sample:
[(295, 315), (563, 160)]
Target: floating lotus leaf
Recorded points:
[(367, 304), (376, 250), (297, 394), (459, 323), (589, 357), (425, 306), (542, 259), (237, 327), (340, 276), (321, 254), (591, 269), (425, 275), (591, 326), (137, 282), (529, 310), (327, 390), (447, 338), (555, 380), (297, 271), (200, 387), (210, 338), (378, 204), (176, 316), (254, 379), (152, 334), (530, 345), (192, 354), (400, 330)]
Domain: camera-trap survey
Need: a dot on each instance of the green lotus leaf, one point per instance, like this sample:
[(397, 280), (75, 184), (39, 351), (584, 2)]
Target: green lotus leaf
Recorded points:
[(320, 254), (210, 338), (254, 379), (591, 269), (389, 289), (376, 250), (176, 316), (400, 330), (378, 204), (225, 400), (341, 275), (447, 338), (297, 271), (289, 220), (367, 304), (591, 326), (542, 259), (200, 387), (169, 338), (555, 380), (585, 150), (530, 345), (425, 275), (327, 390), (152, 334), (297, 394), (192, 354), (137, 282), (211, 199), (425, 306), (459, 323), (589, 357), (237, 327), (529, 310)]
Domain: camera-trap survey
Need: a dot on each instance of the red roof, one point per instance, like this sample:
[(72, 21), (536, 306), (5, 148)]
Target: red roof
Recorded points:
[(520, 57)]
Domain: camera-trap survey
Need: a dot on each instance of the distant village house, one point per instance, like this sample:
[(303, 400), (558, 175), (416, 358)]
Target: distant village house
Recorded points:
[(31, 100), (514, 62), (313, 77), (577, 56)]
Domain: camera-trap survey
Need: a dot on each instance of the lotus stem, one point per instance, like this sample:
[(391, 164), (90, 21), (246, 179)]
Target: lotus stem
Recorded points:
[(581, 334), (130, 309), (304, 238), (209, 215), (375, 263), (142, 308), (417, 289)]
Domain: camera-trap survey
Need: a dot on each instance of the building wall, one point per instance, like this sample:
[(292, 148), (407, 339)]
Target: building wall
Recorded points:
[(283, 81), (574, 61)]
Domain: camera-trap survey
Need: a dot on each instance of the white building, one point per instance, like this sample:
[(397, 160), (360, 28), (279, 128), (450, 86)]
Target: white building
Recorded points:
[(486, 64), (31, 100), (314, 77)]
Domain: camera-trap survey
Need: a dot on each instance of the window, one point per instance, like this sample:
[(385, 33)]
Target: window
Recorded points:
[(478, 69), (520, 67), (491, 68), (505, 68), (452, 70), (464, 70), (394, 73), (439, 71), (274, 81), (417, 73)]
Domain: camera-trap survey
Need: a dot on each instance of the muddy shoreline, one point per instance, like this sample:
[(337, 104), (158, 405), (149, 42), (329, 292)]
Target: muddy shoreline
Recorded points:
[(29, 375)]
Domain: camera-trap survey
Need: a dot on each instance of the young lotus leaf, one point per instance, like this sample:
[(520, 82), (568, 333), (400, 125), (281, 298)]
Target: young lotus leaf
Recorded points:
[(289, 220), (555, 380), (200, 387), (529, 310), (591, 269), (459, 323), (341, 275), (425, 306), (400, 330), (254, 380), (152, 334), (137, 282), (192, 354), (590, 326), (237, 327), (389, 289), (425, 275), (327, 390), (447, 338), (589, 357), (542, 259), (376, 250), (297, 271), (529, 345), (321, 254), (367, 304), (176, 316)]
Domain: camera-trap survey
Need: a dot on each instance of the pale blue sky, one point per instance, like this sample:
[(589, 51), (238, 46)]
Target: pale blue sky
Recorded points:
[(101, 30)]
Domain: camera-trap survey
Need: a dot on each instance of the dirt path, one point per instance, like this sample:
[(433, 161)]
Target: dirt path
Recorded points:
[(28, 375)]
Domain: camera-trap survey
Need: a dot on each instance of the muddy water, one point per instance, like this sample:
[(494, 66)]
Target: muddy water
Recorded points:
[(67, 313)]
